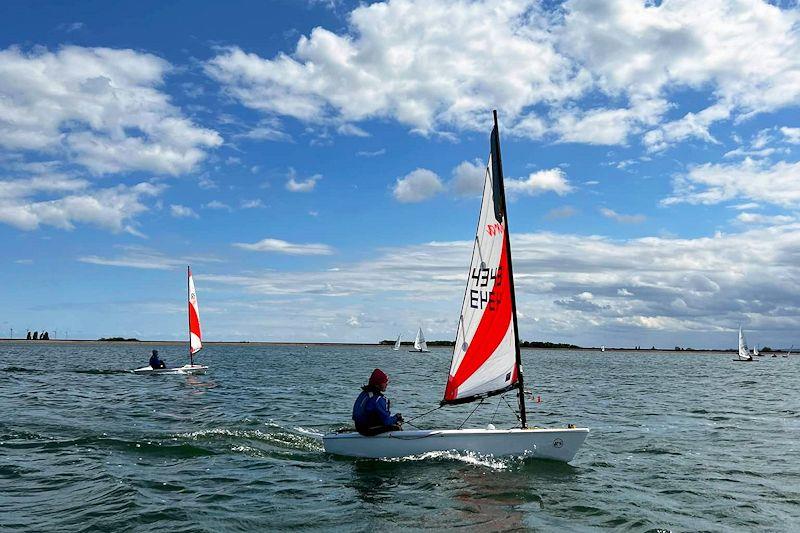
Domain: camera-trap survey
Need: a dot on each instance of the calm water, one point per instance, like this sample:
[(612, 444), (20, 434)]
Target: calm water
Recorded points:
[(678, 442)]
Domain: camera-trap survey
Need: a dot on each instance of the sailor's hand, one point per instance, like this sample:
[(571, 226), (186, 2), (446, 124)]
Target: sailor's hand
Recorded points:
[(399, 418)]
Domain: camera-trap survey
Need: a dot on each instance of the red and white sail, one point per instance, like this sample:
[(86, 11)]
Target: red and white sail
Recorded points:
[(195, 337), (485, 353)]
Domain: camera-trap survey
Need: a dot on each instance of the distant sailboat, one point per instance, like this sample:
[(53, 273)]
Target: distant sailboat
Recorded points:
[(603, 348), (790, 351), (743, 352), (397, 344), (755, 351), (195, 337), (419, 343), (486, 356)]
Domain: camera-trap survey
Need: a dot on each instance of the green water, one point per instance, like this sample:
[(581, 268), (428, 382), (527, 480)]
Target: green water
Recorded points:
[(678, 442)]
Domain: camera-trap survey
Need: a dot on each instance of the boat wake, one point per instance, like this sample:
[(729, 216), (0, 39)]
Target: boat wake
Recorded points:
[(274, 440), (470, 458)]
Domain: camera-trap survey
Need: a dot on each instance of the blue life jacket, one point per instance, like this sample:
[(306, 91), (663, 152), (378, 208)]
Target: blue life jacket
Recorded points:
[(155, 362), (371, 410)]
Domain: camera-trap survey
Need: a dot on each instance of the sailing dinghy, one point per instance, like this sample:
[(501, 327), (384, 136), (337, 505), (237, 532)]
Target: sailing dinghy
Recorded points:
[(195, 338), (419, 343), (486, 357), (743, 353), (397, 344)]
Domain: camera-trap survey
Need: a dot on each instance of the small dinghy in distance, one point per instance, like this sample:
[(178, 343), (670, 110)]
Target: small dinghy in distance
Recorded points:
[(486, 356), (419, 343), (195, 338), (397, 343), (744, 355)]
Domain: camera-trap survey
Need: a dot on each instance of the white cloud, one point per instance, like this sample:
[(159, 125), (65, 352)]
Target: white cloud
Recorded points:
[(137, 257), (759, 181), (755, 218), (283, 247), (431, 70), (551, 180), (252, 204), (375, 153), (416, 186), (350, 129), (692, 125), (112, 208), (561, 212), (469, 178), (301, 185), (625, 219), (791, 135), (216, 204), (98, 107), (569, 287), (181, 211)]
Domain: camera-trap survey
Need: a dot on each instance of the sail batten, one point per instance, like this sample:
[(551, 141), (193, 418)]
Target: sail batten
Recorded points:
[(485, 356)]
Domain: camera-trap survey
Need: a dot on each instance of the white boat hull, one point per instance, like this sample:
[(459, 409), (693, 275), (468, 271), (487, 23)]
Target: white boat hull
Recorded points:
[(185, 369), (539, 443)]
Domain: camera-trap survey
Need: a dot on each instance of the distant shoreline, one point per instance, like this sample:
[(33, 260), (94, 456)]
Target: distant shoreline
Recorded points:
[(350, 344)]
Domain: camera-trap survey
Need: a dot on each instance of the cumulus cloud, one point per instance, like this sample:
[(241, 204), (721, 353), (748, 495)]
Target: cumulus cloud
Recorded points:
[(99, 107), (625, 219), (416, 186), (216, 204), (293, 184), (469, 178), (181, 211), (283, 247), (24, 204), (430, 73), (759, 181), (551, 180)]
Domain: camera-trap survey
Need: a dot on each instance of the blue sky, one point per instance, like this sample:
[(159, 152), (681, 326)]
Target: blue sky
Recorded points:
[(316, 163)]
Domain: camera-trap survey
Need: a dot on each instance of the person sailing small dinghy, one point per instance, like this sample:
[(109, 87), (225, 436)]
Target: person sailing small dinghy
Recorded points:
[(486, 356), (371, 411), (195, 340)]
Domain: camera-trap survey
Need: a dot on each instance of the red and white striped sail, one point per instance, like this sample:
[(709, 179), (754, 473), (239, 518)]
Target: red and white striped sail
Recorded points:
[(485, 353), (195, 337)]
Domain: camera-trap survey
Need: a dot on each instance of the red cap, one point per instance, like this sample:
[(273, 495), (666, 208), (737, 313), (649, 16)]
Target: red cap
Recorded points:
[(378, 378)]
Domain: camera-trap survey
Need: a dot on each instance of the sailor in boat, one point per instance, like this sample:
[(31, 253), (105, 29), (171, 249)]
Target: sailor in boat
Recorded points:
[(155, 362), (371, 412)]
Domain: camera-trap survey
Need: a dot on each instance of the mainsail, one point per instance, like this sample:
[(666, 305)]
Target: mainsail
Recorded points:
[(486, 358), (195, 337), (419, 342), (397, 344), (743, 346)]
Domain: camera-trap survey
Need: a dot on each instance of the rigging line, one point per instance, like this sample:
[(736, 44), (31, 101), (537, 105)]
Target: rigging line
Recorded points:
[(495, 411), (473, 412), (423, 414), (512, 409)]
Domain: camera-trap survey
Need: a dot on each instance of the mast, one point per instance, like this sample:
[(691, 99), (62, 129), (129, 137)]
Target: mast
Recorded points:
[(521, 391), (188, 315)]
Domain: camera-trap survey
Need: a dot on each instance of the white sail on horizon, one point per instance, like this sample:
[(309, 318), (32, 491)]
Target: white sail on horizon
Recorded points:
[(397, 344), (419, 342)]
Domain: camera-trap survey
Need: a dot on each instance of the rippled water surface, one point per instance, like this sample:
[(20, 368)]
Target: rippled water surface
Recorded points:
[(678, 442)]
